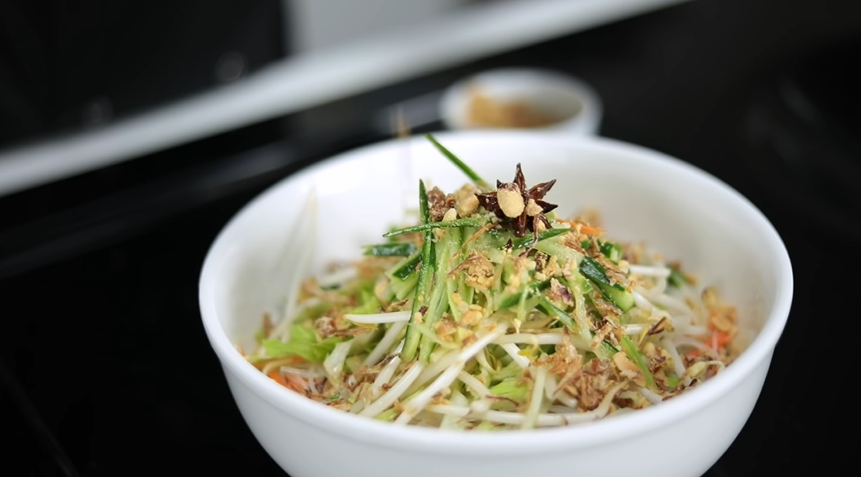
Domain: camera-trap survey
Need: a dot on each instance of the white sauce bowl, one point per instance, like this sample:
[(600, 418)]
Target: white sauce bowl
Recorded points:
[(549, 92)]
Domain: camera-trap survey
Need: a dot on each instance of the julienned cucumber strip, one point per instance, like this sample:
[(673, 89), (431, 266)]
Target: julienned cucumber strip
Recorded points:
[(445, 248), (594, 271), (402, 288), (512, 300), (391, 249), (611, 250), (411, 341), (638, 359), (408, 266), (616, 293)]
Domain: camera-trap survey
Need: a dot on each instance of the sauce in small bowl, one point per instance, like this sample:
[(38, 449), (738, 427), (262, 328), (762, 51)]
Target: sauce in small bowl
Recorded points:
[(520, 98)]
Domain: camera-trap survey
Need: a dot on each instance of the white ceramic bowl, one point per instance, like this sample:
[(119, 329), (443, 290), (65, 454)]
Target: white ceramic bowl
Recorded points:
[(546, 91), (642, 194)]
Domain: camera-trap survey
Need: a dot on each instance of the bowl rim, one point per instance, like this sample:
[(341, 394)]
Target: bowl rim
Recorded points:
[(544, 440), (586, 121)]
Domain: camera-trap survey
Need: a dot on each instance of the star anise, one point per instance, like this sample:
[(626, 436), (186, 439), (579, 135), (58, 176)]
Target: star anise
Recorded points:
[(517, 207)]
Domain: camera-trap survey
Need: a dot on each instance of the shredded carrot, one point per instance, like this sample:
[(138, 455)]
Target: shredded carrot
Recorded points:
[(296, 383), (290, 381), (717, 340), (278, 377), (590, 230), (582, 228), (721, 339)]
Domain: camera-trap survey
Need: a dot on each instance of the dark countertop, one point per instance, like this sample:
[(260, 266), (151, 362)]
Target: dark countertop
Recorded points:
[(104, 356)]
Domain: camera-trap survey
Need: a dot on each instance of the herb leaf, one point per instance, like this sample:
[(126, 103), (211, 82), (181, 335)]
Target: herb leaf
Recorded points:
[(547, 234), (470, 222), (473, 176)]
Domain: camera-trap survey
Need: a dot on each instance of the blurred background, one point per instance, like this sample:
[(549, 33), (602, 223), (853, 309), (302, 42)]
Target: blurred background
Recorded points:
[(131, 131)]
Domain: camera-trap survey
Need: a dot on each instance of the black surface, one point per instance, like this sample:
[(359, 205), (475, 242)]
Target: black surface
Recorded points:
[(104, 341), (68, 65), (805, 134)]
